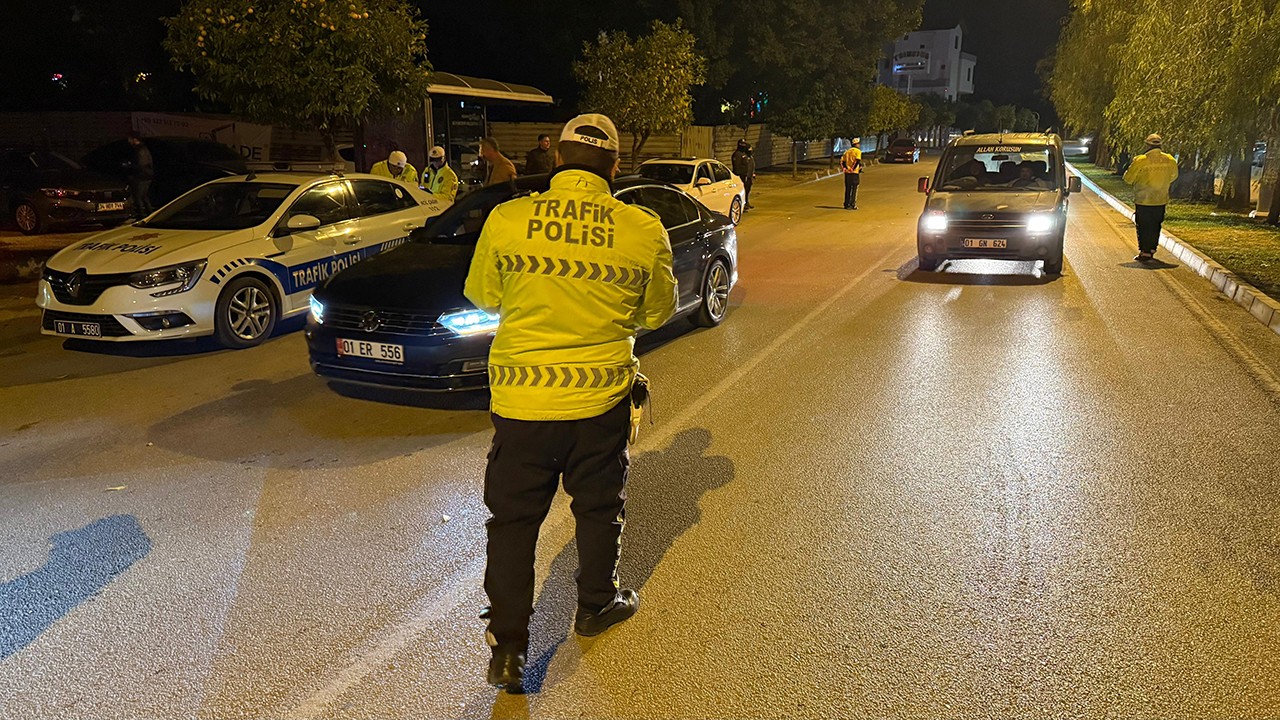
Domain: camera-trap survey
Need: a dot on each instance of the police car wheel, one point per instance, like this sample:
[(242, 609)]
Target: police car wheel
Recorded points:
[(715, 296), (246, 313), (735, 211), (27, 218)]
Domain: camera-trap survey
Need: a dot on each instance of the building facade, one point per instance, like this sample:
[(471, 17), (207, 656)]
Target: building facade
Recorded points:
[(929, 61)]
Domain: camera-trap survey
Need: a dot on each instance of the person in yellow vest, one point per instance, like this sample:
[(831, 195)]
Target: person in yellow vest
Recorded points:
[(562, 376), (396, 167), (1150, 174), (439, 179), (851, 164)]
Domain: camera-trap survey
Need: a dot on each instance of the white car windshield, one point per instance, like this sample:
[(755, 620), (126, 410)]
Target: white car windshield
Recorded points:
[(222, 206), (674, 173), (1008, 168)]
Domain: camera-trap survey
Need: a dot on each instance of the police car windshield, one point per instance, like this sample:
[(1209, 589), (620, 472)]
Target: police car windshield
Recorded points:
[(222, 206), (999, 168), (674, 173)]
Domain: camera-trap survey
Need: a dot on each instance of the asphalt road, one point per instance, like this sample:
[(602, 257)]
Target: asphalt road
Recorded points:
[(871, 492)]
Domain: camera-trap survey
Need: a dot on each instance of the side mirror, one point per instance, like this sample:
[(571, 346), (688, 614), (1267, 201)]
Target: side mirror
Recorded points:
[(1073, 184), (701, 182), (922, 185), (303, 222)]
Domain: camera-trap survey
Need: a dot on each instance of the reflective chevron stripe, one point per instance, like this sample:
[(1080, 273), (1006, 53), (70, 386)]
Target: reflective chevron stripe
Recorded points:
[(575, 269), (559, 376)]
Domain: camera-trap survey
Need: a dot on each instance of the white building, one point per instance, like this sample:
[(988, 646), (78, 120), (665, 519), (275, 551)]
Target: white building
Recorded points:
[(929, 61)]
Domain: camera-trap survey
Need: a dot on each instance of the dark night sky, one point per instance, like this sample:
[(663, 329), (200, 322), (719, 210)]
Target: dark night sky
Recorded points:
[(1008, 37)]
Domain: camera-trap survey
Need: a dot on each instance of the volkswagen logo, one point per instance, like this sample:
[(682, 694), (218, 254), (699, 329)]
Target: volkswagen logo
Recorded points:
[(370, 321), (73, 283)]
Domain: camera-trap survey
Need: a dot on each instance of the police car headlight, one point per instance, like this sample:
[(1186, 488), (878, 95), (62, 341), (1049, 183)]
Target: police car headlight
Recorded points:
[(1042, 222), (317, 310), (469, 322), (936, 222), (187, 274)]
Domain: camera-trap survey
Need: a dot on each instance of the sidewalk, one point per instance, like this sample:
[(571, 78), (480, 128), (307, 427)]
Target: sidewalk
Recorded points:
[(1263, 308), (22, 256)]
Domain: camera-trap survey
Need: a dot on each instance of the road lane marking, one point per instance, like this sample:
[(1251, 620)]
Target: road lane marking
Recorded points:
[(364, 662)]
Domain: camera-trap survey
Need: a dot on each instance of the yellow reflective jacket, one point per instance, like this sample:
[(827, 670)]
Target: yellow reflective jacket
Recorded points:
[(573, 273), (851, 161), (408, 176), (1151, 175), (442, 183)]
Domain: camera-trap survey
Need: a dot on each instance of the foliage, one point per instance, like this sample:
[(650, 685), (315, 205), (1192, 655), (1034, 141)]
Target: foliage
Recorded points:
[(642, 84), (890, 110), (309, 64)]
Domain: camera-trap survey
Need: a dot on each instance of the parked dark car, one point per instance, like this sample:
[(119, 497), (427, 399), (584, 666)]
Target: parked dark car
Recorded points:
[(41, 190), (400, 319), (902, 150), (180, 163)]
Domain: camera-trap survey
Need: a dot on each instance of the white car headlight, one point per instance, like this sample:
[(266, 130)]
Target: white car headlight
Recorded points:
[(187, 274), (936, 222), (317, 310), (1042, 222), (469, 322)]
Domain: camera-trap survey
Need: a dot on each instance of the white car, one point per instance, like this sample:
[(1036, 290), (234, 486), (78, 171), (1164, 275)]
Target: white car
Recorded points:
[(230, 258), (707, 180)]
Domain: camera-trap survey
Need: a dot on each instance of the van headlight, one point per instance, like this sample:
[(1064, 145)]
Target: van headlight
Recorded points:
[(187, 274), (935, 222), (469, 322), (317, 310), (1039, 223)]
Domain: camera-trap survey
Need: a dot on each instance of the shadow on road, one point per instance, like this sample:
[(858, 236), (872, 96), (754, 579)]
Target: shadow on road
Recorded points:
[(171, 348), (663, 492), (1008, 273), (1153, 265)]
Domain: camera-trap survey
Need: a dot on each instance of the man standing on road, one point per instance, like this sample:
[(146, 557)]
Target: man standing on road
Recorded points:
[(501, 169), (561, 374), (744, 166), (851, 164), (1150, 174), (540, 159), (396, 167), (141, 173), (439, 179)]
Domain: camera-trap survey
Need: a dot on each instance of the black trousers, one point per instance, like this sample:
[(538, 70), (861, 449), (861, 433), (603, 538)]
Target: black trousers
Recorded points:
[(746, 188), (526, 463), (1148, 218), (140, 189), (851, 181)]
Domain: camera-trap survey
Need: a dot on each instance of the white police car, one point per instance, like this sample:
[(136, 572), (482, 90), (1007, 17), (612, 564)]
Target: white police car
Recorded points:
[(230, 258)]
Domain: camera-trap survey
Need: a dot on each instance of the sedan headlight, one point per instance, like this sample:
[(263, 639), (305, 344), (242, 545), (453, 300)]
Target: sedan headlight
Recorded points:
[(936, 222), (469, 322), (317, 310), (186, 274), (1039, 223)]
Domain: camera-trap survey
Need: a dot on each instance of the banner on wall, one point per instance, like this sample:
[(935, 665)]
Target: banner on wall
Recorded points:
[(253, 142)]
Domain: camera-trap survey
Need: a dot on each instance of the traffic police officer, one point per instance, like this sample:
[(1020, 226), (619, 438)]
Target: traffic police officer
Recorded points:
[(439, 179), (396, 167), (573, 273)]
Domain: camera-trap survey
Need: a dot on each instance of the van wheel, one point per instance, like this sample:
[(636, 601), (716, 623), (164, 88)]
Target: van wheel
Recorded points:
[(928, 264), (715, 296), (735, 211), (1053, 263), (246, 313)]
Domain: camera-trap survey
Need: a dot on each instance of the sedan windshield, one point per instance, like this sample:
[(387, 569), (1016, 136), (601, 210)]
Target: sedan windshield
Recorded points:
[(48, 160), (1008, 168), (674, 173), (222, 206)]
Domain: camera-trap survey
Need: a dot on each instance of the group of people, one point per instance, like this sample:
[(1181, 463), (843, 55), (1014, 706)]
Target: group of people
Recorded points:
[(440, 180)]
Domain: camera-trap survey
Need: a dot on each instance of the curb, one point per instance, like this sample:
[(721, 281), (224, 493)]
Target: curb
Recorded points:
[(1263, 308)]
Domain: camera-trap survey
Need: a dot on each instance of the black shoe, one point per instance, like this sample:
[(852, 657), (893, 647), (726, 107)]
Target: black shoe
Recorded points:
[(506, 669), (1144, 257), (623, 606)]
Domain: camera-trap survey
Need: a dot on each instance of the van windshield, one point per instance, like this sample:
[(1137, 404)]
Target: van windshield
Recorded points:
[(1007, 168)]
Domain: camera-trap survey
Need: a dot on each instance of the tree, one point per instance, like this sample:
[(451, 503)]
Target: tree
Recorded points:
[(642, 84), (890, 111), (818, 118), (305, 65)]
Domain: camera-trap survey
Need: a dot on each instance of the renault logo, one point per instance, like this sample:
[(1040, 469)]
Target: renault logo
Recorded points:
[(370, 321), (73, 283)]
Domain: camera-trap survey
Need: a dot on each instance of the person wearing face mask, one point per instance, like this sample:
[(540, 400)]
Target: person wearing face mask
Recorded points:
[(439, 179), (396, 167)]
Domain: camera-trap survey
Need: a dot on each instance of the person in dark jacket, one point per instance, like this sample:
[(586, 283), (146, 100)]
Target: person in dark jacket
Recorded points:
[(540, 159), (744, 166), (141, 172)]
